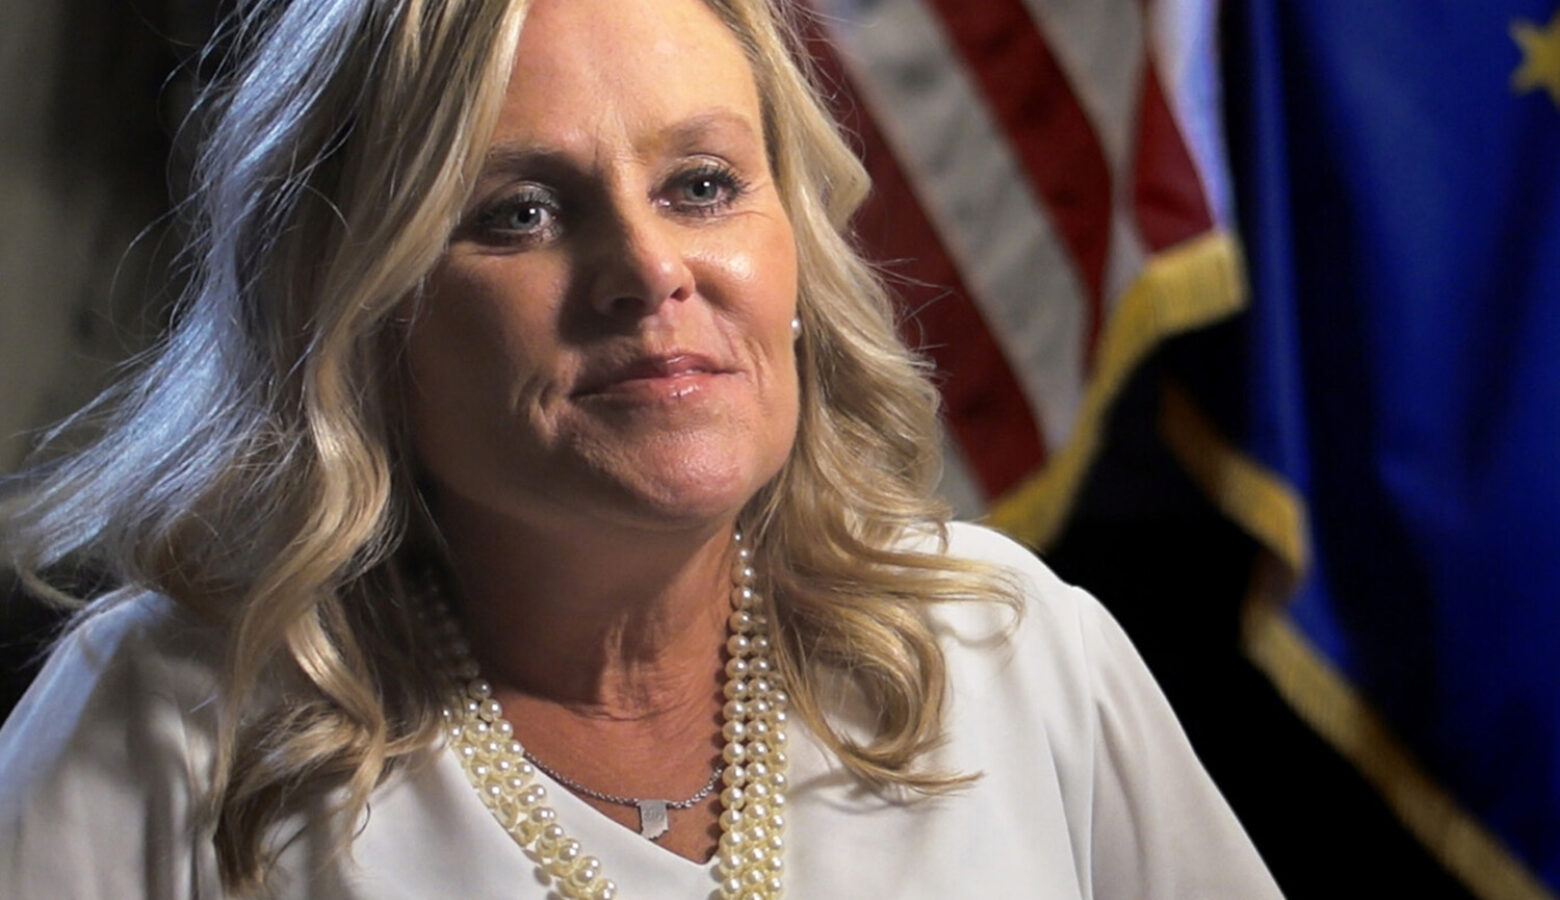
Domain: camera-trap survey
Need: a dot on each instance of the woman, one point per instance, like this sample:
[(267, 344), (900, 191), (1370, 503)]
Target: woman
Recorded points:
[(534, 452)]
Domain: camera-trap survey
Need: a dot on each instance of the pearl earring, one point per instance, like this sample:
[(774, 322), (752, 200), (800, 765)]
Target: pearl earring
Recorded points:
[(796, 329)]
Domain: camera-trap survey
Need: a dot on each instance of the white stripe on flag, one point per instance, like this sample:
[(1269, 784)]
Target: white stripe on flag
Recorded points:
[(976, 194), (1099, 47)]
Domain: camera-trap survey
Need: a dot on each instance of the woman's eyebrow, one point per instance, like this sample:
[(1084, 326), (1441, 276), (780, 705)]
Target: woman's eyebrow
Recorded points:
[(508, 158), (721, 123), (716, 123)]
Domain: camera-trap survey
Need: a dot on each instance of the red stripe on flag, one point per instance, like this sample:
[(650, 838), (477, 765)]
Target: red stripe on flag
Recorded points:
[(1047, 126), (1168, 200), (986, 407)]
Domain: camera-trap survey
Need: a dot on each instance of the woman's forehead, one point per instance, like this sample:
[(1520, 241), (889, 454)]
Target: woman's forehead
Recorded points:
[(593, 70)]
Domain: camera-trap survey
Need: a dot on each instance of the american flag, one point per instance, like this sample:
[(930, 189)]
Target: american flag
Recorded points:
[(1050, 201)]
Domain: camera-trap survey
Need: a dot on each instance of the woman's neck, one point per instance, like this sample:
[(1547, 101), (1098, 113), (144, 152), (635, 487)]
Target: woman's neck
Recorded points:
[(605, 649), (607, 623)]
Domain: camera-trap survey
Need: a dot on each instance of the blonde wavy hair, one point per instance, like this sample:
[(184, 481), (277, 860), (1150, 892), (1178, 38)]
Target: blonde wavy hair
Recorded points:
[(254, 471)]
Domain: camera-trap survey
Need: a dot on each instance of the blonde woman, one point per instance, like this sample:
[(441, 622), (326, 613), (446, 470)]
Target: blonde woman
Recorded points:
[(533, 500)]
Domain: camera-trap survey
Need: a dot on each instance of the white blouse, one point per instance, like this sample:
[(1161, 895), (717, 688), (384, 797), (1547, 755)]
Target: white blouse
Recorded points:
[(1088, 788)]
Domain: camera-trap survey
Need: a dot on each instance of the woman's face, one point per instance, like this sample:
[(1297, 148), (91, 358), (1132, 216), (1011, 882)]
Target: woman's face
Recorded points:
[(608, 336)]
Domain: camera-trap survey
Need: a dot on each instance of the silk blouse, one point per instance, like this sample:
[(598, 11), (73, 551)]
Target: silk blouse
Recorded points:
[(1087, 788)]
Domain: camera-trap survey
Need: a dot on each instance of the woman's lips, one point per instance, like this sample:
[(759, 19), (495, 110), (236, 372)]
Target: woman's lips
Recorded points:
[(672, 374)]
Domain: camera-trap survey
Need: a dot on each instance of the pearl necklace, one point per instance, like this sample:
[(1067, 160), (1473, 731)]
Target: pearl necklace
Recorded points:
[(751, 853)]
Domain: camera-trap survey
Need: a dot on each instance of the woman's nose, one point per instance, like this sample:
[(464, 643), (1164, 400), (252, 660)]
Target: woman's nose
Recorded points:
[(641, 265)]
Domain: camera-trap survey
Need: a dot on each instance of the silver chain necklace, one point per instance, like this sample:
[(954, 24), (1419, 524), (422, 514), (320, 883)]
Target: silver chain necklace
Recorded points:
[(653, 819)]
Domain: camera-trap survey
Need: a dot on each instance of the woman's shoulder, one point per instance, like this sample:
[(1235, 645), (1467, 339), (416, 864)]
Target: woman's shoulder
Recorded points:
[(127, 689), (114, 661), (980, 544), (969, 540), (1048, 651), (101, 763), (1045, 606), (1059, 696)]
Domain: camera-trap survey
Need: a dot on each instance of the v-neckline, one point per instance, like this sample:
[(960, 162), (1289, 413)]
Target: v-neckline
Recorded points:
[(592, 828), (640, 867)]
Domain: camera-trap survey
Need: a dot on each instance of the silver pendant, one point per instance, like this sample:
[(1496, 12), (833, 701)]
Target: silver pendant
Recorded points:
[(652, 818)]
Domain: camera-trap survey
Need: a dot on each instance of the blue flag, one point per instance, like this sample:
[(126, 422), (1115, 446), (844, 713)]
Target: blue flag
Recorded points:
[(1397, 173)]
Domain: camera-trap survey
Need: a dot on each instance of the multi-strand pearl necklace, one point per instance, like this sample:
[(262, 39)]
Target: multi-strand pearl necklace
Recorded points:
[(751, 853)]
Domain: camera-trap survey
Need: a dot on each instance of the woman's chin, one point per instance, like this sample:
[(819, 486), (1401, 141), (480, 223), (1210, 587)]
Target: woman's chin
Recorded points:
[(687, 494), (674, 476)]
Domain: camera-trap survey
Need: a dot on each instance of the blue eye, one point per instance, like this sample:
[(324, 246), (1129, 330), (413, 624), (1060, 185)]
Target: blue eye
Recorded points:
[(523, 217), (705, 190), (526, 215)]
